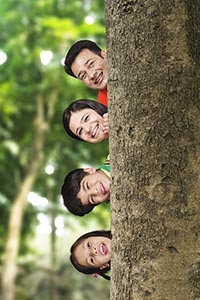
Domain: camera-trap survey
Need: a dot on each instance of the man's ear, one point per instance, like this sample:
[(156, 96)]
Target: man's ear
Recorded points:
[(103, 53), (104, 266), (89, 170)]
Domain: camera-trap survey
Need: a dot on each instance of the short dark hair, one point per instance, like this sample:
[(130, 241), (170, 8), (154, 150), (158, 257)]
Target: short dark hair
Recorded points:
[(79, 105), (69, 191), (75, 49), (90, 270)]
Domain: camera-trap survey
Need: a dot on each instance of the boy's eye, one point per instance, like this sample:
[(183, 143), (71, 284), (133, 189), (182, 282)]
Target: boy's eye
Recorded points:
[(91, 200)]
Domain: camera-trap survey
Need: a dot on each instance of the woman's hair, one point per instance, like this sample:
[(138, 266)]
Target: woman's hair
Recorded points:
[(77, 106), (90, 270)]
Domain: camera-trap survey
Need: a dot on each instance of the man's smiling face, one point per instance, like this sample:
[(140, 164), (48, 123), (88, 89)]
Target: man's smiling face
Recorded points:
[(91, 69), (94, 187)]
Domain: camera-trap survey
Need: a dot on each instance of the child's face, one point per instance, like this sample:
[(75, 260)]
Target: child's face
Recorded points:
[(88, 125), (91, 69), (94, 251), (94, 187)]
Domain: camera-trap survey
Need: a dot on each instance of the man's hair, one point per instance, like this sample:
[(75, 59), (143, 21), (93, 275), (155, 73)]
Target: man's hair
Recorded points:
[(75, 49), (77, 106), (90, 270), (69, 191)]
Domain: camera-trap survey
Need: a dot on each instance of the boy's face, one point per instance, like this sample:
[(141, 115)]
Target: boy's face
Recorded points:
[(94, 187), (91, 69)]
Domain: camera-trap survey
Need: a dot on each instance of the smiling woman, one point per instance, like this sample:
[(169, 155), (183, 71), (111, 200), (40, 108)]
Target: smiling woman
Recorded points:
[(91, 253), (86, 120)]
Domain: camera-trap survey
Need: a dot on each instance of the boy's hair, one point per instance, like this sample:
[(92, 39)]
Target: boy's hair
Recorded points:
[(69, 191), (75, 49), (90, 270), (77, 106)]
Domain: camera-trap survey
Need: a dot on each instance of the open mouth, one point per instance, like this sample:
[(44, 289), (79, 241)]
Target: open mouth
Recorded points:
[(99, 78), (103, 249), (95, 131), (103, 189)]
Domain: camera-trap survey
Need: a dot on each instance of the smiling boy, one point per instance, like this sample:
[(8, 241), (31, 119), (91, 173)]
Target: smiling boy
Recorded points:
[(83, 189)]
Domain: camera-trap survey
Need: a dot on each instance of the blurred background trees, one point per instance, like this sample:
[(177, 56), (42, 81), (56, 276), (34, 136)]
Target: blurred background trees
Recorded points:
[(36, 154)]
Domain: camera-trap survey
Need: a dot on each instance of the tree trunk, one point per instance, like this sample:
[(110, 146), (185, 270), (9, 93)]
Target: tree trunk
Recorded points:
[(9, 271), (153, 60)]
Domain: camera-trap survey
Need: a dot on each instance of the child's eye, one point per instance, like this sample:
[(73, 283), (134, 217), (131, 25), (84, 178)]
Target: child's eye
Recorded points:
[(92, 200), (92, 260)]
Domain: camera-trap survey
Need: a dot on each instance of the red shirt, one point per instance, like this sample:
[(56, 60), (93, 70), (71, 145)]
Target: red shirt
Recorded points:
[(102, 97)]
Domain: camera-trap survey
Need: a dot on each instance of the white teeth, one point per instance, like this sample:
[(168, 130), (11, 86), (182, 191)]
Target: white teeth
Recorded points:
[(94, 132), (102, 249)]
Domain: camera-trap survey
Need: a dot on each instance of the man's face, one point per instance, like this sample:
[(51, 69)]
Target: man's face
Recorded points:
[(94, 187), (91, 69)]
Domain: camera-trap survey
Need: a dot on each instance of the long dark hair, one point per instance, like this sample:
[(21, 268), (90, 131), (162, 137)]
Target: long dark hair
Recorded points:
[(79, 105), (90, 270)]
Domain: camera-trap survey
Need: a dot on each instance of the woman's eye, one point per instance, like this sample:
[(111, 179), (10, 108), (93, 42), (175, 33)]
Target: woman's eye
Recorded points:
[(86, 118), (87, 185), (80, 132), (88, 244)]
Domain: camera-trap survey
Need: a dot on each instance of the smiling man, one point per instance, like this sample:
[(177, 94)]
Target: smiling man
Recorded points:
[(83, 189), (87, 62)]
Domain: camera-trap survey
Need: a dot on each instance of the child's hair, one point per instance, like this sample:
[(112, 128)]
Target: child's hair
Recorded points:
[(69, 191), (77, 106), (90, 270), (75, 49)]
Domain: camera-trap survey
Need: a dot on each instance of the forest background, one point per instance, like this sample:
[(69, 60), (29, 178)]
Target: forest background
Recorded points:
[(36, 153)]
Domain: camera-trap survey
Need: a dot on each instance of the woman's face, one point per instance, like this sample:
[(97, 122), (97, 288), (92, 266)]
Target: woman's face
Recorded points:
[(88, 125), (94, 251)]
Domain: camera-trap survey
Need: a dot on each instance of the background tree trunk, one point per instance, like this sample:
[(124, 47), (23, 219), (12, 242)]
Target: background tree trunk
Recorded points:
[(9, 271), (154, 114)]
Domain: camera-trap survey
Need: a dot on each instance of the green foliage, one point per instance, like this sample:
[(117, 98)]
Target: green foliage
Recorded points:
[(27, 28)]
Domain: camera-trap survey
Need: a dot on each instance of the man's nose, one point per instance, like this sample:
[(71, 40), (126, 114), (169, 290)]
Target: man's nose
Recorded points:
[(92, 74)]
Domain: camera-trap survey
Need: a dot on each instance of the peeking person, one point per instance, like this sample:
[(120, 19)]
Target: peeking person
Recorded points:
[(83, 189), (91, 253), (86, 120), (87, 62)]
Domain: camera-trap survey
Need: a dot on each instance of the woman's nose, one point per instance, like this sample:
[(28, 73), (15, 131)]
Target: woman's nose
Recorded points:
[(87, 128)]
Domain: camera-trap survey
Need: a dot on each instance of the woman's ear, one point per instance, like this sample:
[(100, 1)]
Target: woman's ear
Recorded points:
[(104, 266)]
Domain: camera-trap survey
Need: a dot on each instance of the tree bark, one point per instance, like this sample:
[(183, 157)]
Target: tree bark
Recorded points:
[(9, 271), (154, 116)]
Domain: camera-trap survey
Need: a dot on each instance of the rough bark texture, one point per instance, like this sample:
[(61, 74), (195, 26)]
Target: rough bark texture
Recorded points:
[(154, 114)]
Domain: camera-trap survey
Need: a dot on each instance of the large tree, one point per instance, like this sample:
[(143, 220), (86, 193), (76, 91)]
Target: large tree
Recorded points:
[(154, 110)]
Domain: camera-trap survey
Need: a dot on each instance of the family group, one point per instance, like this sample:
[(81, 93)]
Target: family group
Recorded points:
[(83, 189)]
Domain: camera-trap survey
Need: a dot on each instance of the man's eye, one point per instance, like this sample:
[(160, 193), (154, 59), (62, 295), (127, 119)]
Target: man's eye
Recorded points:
[(82, 77), (91, 64)]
